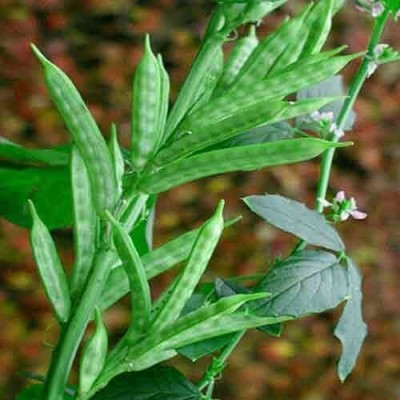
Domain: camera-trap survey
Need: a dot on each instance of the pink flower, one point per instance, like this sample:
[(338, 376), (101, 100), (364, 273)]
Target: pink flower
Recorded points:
[(343, 208)]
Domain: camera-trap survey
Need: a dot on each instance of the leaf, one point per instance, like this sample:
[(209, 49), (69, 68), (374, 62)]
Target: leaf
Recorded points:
[(244, 158), (226, 288), (305, 283), (13, 152), (49, 188), (295, 218), (393, 6), (332, 86), (263, 134), (157, 383), (201, 349), (351, 330), (34, 392)]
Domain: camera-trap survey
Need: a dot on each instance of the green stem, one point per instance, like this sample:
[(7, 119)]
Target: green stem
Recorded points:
[(71, 337), (354, 90), (218, 363)]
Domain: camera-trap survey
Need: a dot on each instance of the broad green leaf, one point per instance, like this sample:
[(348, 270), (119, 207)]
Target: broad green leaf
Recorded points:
[(263, 134), (294, 217), (305, 283), (49, 188), (351, 329), (156, 383), (244, 158), (226, 288), (197, 350), (330, 87), (13, 152), (34, 392)]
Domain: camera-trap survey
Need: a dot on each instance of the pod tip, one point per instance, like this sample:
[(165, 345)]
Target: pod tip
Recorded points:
[(39, 55)]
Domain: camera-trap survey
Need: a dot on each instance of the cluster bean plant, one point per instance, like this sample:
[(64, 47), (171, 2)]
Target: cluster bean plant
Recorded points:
[(271, 101)]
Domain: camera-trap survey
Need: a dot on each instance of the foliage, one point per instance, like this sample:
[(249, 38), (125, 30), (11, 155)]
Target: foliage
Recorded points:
[(110, 197)]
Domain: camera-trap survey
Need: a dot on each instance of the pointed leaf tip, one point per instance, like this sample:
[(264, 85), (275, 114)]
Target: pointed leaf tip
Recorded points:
[(39, 55)]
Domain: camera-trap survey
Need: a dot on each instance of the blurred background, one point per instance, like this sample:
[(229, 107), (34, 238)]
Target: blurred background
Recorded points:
[(98, 43)]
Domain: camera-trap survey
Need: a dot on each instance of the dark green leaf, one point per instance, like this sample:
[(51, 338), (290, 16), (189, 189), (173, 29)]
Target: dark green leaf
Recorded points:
[(262, 134), (157, 383), (293, 217), (226, 288), (305, 283), (34, 392), (12, 152), (49, 189), (201, 349), (330, 87), (351, 329)]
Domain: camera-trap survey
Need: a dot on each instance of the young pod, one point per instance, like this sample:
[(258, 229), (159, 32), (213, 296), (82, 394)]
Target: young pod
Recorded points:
[(186, 282), (241, 158), (211, 80), (319, 23), (139, 287), (236, 59), (49, 266), (164, 102), (85, 223), (146, 107), (235, 117), (117, 158), (85, 134), (267, 53), (94, 356)]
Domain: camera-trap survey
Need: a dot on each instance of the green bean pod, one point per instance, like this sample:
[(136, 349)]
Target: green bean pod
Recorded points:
[(234, 322), (186, 282), (50, 269), (117, 158), (266, 54), (241, 158), (85, 224), (146, 107), (164, 101), (155, 263), (295, 48), (211, 80), (319, 23), (160, 341), (194, 81), (237, 118), (139, 287), (293, 78), (94, 356), (85, 134), (236, 59)]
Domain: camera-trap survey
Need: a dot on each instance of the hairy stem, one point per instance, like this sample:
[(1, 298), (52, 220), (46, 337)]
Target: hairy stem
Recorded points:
[(218, 364), (354, 90)]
